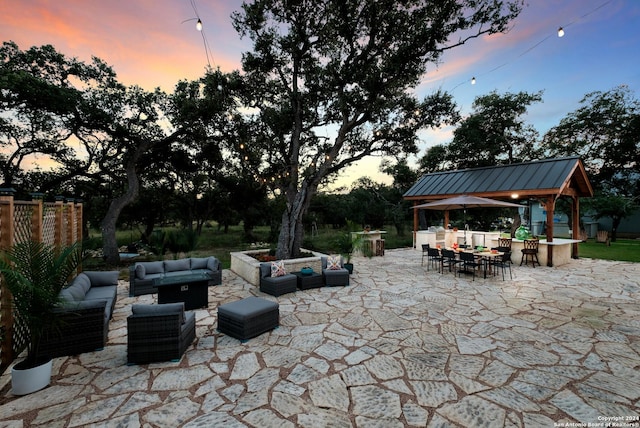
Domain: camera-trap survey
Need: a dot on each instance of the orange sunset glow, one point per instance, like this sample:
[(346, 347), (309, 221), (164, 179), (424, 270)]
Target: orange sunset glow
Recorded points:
[(155, 44)]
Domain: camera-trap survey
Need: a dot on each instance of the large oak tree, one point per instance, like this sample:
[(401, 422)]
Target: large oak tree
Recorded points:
[(333, 81)]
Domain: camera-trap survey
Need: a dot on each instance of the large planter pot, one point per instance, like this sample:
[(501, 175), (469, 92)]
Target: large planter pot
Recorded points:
[(25, 381), (349, 267)]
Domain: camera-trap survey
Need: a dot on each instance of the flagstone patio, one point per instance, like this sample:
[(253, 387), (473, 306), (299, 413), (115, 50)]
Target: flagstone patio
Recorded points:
[(399, 347)]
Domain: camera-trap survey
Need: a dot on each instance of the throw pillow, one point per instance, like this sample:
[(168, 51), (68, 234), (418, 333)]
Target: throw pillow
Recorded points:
[(140, 271), (277, 268), (333, 263)]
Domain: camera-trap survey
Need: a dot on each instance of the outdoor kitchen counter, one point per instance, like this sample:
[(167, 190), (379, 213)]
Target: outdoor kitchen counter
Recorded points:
[(561, 250)]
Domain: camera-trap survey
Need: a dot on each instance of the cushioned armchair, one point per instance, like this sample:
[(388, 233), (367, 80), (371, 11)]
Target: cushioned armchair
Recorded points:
[(276, 285), (159, 332), (334, 275)]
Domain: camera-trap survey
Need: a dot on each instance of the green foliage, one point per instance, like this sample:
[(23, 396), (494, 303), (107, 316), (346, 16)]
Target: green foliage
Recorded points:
[(604, 132), (616, 207), (494, 133), (35, 273), (310, 71), (181, 241)]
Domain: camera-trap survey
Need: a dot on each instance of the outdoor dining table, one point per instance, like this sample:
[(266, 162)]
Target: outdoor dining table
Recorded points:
[(486, 256)]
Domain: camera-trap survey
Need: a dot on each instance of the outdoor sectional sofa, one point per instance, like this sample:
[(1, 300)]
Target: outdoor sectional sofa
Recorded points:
[(87, 306), (142, 274)]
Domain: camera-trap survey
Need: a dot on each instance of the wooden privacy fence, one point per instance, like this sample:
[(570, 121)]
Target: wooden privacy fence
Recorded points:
[(56, 223)]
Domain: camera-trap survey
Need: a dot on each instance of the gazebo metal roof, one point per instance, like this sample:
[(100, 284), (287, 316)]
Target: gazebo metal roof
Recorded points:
[(545, 180), (562, 176)]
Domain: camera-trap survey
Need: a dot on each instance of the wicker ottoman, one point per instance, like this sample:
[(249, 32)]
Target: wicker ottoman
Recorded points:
[(247, 318)]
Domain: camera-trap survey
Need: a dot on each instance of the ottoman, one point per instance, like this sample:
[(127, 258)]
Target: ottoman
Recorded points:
[(247, 318)]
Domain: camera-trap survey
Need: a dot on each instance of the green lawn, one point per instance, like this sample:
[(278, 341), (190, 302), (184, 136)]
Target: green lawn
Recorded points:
[(627, 250)]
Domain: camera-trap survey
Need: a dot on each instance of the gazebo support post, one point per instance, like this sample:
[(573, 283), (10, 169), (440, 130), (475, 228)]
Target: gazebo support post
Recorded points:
[(415, 224), (575, 221), (549, 205)]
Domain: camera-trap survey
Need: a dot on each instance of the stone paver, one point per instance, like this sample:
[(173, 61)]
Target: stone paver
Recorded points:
[(400, 346)]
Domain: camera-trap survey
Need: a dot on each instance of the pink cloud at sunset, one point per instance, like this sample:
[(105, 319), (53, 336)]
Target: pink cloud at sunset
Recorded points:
[(149, 44)]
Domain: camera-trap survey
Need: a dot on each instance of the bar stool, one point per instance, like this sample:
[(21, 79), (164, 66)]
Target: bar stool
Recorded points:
[(530, 252), (504, 243)]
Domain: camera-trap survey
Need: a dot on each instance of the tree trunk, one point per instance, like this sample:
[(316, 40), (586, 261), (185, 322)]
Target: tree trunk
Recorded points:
[(292, 230), (109, 242), (110, 245), (614, 227)]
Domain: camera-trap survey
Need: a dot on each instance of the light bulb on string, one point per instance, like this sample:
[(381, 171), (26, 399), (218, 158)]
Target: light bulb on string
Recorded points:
[(473, 80), (560, 32), (199, 25)]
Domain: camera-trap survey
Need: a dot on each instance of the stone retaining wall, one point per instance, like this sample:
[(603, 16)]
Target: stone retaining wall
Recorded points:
[(246, 266)]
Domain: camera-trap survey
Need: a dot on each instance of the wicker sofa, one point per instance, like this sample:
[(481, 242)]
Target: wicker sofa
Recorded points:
[(142, 274), (87, 306)]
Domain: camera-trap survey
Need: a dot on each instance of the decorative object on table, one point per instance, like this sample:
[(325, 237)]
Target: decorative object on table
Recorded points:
[(35, 273), (522, 233), (306, 271)]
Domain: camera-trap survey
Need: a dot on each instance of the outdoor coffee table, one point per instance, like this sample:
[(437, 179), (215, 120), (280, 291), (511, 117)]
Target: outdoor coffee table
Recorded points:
[(312, 280), (192, 289)]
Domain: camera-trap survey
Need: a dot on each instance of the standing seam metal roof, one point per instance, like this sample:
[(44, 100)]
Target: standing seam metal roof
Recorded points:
[(537, 178)]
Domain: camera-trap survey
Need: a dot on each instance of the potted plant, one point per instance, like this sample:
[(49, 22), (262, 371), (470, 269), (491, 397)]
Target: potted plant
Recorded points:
[(35, 273), (350, 242)]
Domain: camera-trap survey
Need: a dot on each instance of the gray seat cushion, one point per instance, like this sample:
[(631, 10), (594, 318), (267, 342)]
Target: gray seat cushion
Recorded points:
[(247, 308)]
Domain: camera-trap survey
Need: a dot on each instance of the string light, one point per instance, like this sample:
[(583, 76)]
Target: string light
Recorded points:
[(199, 27), (560, 33)]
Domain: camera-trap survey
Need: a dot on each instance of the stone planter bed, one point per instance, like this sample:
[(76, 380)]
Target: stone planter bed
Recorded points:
[(245, 265)]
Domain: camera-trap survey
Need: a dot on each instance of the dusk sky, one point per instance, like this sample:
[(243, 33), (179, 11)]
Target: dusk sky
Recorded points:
[(148, 44)]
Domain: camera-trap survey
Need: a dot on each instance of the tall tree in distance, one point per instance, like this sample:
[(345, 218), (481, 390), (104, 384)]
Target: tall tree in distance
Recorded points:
[(495, 132), (331, 82), (605, 132)]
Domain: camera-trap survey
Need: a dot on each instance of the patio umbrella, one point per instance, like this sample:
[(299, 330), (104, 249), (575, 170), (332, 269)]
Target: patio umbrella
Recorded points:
[(463, 202)]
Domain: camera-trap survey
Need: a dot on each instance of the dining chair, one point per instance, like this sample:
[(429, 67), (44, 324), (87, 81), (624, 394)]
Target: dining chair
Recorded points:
[(449, 260), (434, 258), (503, 250), (502, 262), (504, 243), (468, 260), (530, 252), (425, 253)]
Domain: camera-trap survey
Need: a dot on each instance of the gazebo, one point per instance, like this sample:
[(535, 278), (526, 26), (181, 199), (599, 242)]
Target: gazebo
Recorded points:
[(544, 181)]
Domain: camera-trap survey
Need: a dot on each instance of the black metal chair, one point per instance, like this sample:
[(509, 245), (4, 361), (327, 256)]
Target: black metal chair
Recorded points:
[(468, 260), (530, 252), (503, 262), (434, 258), (503, 250), (449, 260), (504, 243), (425, 252)]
